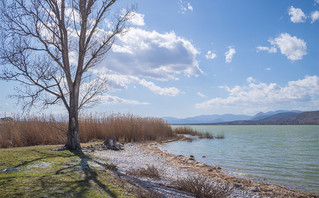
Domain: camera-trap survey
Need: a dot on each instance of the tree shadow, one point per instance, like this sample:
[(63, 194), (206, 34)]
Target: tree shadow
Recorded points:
[(90, 174), (75, 178)]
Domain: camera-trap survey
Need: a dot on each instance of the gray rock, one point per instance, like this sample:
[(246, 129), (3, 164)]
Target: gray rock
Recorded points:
[(235, 185), (10, 169), (111, 143), (39, 165), (253, 189)]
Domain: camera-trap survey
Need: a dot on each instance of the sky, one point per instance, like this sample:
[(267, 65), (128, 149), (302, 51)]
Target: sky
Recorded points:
[(183, 58)]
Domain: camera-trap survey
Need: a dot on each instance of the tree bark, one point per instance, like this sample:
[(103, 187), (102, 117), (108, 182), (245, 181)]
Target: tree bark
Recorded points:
[(73, 140)]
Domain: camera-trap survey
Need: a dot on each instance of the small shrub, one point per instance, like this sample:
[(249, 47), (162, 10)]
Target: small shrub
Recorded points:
[(143, 193), (201, 187), (206, 135), (150, 171), (220, 136), (111, 166), (186, 131)]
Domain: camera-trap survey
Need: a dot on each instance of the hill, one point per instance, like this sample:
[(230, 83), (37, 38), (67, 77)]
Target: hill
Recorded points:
[(286, 118), (280, 117)]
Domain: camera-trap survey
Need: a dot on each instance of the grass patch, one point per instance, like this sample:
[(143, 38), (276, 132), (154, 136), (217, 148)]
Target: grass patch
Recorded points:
[(201, 187), (150, 171), (69, 174)]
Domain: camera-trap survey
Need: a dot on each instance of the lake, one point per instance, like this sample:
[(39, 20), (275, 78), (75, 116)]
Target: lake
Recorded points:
[(279, 154)]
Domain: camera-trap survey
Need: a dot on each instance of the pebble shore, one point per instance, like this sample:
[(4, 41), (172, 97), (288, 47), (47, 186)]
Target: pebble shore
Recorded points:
[(133, 157)]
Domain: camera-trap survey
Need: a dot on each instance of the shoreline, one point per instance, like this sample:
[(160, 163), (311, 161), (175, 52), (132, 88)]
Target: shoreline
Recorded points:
[(218, 175)]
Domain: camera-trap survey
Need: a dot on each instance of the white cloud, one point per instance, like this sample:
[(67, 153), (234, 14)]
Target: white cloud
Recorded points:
[(255, 94), (290, 46), (317, 1), (210, 55), (185, 6), (267, 68), (118, 82), (152, 55), (137, 19), (314, 16), (229, 54), (189, 6), (201, 95), (297, 15), (166, 91), (268, 49), (108, 99), (251, 80)]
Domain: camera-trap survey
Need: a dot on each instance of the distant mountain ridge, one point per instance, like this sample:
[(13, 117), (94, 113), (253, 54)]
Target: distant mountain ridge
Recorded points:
[(280, 117), (202, 119)]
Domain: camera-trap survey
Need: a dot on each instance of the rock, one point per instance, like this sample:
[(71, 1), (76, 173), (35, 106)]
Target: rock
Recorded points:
[(191, 157), (254, 189), (235, 185), (10, 169), (204, 156), (111, 143)]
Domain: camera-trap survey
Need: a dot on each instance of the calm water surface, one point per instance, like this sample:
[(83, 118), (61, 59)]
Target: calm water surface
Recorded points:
[(285, 155)]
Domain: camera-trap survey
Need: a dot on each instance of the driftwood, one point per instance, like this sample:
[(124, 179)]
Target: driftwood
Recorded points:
[(111, 143), (6, 119)]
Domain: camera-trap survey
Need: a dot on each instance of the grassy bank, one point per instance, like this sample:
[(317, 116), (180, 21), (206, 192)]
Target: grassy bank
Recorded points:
[(40, 171), (30, 131)]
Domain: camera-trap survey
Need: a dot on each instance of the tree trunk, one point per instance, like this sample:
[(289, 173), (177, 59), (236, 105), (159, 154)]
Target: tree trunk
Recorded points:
[(73, 141)]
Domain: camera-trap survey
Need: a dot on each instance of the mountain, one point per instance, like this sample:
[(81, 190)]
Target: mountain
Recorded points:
[(285, 118), (280, 117), (262, 115), (204, 119)]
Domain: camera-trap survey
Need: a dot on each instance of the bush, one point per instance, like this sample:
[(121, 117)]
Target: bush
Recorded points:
[(201, 187), (150, 171)]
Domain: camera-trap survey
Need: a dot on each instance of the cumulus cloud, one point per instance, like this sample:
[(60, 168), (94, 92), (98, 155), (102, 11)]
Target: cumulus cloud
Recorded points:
[(149, 54), (296, 15), (290, 46), (305, 90), (210, 55), (229, 54), (314, 16), (137, 19)]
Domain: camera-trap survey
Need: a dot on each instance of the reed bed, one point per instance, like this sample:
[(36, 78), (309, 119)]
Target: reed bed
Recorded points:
[(30, 131), (192, 132)]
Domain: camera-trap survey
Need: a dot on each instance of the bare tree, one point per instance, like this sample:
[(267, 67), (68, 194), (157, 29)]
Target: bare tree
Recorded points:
[(50, 46)]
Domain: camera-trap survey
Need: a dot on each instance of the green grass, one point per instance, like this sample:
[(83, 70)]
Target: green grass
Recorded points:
[(69, 174)]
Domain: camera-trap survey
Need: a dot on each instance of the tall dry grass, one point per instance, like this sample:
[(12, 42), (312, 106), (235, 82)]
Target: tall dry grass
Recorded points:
[(31, 131)]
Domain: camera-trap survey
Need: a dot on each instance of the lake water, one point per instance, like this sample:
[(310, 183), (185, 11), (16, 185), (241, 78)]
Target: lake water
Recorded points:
[(285, 155)]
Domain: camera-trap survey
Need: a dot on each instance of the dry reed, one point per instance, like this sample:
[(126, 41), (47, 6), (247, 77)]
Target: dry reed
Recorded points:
[(49, 131)]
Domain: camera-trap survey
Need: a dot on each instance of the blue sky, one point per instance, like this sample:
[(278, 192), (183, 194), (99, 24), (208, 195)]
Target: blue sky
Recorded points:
[(185, 58)]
